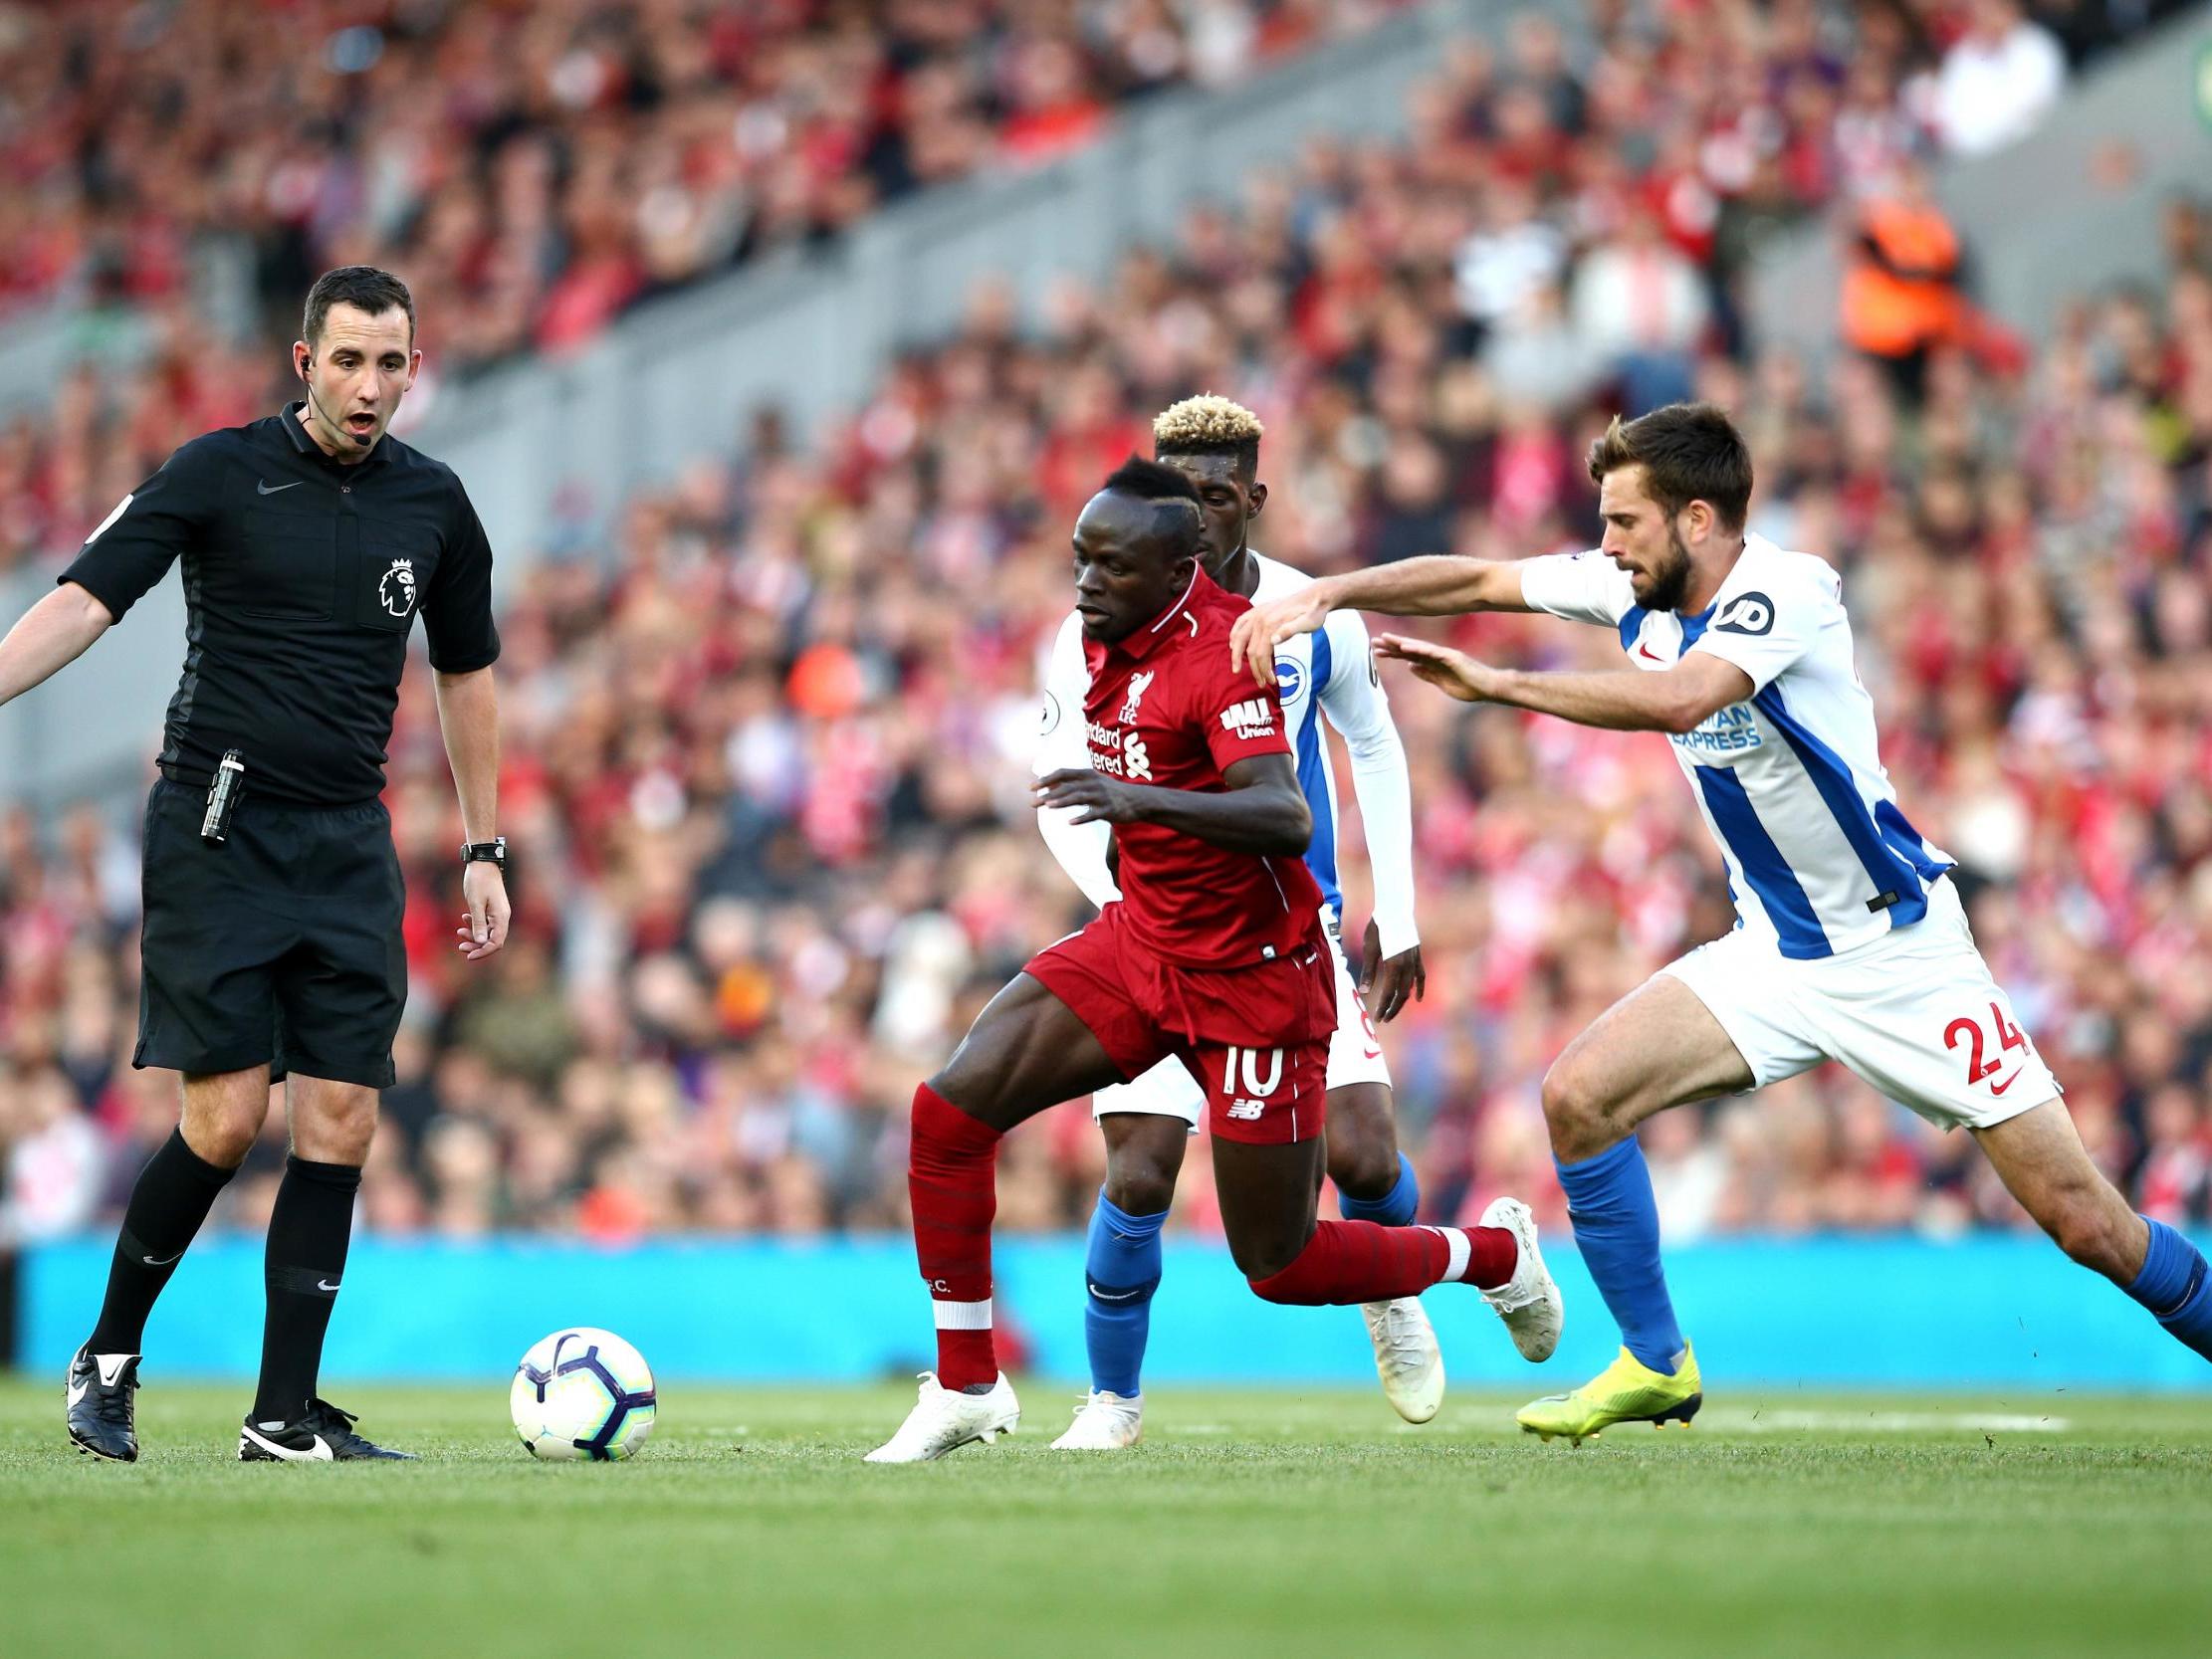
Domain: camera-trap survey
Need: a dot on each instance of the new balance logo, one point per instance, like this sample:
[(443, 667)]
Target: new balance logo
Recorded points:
[(263, 488), (1248, 1111), (1252, 717)]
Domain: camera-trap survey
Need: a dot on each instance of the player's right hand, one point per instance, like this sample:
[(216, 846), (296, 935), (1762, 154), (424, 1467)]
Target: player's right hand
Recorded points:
[(1253, 641)]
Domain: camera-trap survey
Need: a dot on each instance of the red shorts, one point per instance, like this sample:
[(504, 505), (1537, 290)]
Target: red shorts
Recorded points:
[(1256, 1038)]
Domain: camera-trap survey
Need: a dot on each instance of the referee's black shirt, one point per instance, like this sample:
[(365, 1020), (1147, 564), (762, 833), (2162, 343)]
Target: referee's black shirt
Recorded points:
[(301, 577)]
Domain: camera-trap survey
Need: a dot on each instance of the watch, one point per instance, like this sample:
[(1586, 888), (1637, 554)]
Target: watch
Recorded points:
[(492, 851)]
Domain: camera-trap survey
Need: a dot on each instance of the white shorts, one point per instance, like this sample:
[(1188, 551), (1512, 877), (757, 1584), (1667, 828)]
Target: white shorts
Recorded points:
[(1355, 1056), (1915, 1012)]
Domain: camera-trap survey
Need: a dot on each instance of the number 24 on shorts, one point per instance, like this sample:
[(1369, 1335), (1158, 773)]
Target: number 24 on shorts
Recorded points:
[(1968, 1030)]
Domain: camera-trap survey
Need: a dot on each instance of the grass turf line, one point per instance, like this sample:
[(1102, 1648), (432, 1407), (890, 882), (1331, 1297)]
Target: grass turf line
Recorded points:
[(1273, 1522)]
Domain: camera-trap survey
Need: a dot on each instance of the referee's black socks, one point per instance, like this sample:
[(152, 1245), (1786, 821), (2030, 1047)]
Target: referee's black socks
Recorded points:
[(308, 1231), (170, 1201)]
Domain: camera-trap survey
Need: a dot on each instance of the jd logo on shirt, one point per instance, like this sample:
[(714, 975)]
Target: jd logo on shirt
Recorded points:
[(1746, 613), (397, 589)]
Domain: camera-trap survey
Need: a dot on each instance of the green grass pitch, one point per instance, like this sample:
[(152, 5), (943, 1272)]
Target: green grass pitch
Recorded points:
[(1251, 1522)]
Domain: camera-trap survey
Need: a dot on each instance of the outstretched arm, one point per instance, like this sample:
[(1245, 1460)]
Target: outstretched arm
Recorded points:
[(52, 634), (1261, 811), (1678, 699), (1436, 584)]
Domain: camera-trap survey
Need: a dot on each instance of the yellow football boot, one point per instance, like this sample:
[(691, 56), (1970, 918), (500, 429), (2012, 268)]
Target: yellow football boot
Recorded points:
[(1625, 1392)]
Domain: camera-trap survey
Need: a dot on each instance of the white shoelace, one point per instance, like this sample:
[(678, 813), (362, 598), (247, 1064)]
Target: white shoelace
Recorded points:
[(1401, 1336)]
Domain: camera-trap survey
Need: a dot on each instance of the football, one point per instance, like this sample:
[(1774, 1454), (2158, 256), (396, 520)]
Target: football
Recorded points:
[(582, 1393)]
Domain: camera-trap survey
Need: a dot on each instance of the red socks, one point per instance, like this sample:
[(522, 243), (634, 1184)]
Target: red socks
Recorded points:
[(951, 1180), (1492, 1255), (950, 1183), (1360, 1260)]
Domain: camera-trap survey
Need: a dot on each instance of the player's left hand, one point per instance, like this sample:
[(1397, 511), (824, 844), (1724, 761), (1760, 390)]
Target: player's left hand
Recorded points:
[(1390, 979), (483, 928), (1455, 670), (1096, 799)]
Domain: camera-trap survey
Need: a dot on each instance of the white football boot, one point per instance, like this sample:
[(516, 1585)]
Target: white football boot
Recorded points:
[(1406, 1356), (943, 1422), (1104, 1422), (1529, 1301)]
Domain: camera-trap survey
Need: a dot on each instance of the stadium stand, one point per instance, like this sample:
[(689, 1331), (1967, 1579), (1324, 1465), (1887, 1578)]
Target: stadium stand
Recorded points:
[(765, 762)]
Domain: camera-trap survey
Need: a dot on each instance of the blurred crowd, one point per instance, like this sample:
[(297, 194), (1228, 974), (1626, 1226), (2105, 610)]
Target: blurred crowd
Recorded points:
[(765, 760), (183, 171), (543, 164), (540, 166)]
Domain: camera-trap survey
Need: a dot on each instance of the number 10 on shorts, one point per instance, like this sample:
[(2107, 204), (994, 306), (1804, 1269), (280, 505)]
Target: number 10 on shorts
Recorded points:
[(1968, 1030), (1248, 1096)]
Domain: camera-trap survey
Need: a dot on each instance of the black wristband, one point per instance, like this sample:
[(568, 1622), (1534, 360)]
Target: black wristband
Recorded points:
[(492, 851)]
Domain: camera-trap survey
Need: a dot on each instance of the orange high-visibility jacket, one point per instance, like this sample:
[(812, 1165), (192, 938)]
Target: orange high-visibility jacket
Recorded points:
[(1900, 292)]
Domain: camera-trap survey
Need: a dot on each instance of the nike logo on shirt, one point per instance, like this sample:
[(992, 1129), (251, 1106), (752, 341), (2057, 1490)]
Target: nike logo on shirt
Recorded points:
[(1643, 650), (324, 1285), (159, 1261), (276, 488), (2000, 1088)]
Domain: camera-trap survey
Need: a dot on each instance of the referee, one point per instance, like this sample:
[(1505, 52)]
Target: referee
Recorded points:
[(272, 944)]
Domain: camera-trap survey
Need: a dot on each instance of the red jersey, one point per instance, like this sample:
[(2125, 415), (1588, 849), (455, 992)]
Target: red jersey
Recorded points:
[(1166, 709)]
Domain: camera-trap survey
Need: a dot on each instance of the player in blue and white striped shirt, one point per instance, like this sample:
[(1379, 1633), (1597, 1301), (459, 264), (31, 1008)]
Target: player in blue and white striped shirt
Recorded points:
[(1850, 944)]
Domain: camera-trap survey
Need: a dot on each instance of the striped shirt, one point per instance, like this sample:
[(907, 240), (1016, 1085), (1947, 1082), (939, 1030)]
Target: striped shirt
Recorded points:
[(1790, 782)]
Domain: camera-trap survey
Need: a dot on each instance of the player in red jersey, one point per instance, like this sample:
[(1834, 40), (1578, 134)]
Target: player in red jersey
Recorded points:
[(1214, 954)]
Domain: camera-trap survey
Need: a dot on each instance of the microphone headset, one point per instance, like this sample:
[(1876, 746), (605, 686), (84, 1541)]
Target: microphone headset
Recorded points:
[(360, 441)]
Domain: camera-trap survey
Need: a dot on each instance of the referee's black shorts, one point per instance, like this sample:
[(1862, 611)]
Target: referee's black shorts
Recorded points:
[(281, 944)]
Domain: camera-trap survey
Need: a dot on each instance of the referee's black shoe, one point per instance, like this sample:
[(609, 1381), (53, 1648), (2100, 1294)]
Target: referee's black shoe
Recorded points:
[(101, 1419), (322, 1434)]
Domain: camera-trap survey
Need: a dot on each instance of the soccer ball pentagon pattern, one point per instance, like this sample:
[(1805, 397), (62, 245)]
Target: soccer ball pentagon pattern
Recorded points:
[(582, 1393)]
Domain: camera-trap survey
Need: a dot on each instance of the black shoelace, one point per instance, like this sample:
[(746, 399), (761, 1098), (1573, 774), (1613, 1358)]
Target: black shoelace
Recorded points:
[(333, 1424), (113, 1405)]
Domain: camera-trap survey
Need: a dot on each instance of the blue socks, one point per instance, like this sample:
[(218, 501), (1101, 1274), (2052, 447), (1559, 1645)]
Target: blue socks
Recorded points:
[(1123, 1270), (2176, 1289), (1122, 1267), (1609, 1199), (1395, 1208)]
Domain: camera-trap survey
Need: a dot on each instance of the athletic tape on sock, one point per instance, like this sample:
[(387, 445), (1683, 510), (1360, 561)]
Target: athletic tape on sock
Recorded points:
[(1455, 1239), (963, 1316)]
